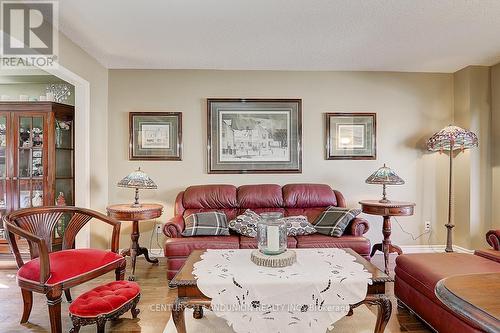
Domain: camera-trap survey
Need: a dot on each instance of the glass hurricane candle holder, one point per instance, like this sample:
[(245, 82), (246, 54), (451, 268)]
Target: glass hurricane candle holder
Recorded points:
[(271, 234)]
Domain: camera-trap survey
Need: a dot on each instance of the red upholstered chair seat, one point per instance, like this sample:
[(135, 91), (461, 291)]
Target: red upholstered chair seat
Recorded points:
[(104, 299), (68, 264)]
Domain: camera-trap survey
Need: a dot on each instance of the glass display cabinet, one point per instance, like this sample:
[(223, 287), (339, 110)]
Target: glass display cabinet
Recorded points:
[(36, 159)]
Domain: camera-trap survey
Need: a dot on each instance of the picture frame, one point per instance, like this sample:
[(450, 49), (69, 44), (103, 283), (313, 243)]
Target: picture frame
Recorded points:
[(351, 136), (254, 135), (155, 136)]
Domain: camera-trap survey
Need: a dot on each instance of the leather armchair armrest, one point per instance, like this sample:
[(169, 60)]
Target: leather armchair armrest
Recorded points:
[(357, 227), (174, 227), (488, 254), (493, 238)]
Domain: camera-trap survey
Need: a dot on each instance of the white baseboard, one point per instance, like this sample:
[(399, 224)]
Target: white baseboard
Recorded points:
[(432, 248)]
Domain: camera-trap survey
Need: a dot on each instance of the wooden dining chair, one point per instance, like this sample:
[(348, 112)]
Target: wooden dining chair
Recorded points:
[(53, 272)]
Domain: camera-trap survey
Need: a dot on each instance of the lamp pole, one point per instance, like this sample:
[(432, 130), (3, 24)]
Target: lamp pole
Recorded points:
[(449, 226)]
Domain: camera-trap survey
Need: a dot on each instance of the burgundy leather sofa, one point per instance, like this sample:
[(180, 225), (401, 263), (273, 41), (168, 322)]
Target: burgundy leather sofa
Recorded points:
[(293, 199), (418, 274)]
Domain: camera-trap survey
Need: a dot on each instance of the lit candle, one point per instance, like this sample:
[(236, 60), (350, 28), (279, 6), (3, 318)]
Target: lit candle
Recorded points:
[(273, 238)]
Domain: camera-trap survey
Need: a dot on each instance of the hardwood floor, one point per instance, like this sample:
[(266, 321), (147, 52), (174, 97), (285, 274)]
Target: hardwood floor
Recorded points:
[(154, 305)]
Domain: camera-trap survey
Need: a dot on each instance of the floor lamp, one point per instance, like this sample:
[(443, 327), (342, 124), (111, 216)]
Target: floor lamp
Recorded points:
[(449, 139)]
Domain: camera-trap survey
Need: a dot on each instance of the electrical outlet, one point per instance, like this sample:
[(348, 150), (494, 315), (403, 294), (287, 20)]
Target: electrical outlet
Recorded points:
[(427, 226), (159, 228)]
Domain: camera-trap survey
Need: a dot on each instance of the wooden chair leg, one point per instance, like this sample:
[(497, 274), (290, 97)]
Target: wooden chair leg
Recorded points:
[(67, 293), (101, 324), (75, 329), (120, 273), (54, 303), (134, 310), (28, 304)]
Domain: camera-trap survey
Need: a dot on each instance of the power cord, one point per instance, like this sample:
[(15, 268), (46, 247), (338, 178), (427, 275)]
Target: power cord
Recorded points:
[(153, 252), (415, 238)]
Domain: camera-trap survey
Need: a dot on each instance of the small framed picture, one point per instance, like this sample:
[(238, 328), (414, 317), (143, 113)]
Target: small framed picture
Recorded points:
[(155, 136), (254, 135), (351, 136)]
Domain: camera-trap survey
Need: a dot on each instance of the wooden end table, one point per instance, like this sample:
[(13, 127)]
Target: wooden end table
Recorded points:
[(475, 297), (387, 209), (189, 296), (125, 212)]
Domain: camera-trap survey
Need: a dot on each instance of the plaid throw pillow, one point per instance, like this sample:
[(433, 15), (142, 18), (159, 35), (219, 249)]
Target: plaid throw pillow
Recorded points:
[(298, 226), (205, 224), (246, 223), (334, 220)]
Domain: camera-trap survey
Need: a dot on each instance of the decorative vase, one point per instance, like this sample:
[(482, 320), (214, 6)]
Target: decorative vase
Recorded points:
[(271, 234)]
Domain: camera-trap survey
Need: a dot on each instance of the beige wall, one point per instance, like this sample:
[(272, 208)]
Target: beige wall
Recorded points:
[(472, 179), (409, 107), (495, 151), (78, 61)]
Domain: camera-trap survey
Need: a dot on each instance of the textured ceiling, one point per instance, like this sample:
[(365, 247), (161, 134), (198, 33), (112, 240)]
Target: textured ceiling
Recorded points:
[(378, 35)]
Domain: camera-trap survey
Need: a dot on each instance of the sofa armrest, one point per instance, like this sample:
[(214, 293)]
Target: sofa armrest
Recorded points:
[(488, 254), (493, 238), (357, 227), (174, 227)]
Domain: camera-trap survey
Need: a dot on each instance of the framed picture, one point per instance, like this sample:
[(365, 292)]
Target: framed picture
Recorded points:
[(351, 136), (155, 136), (254, 135)]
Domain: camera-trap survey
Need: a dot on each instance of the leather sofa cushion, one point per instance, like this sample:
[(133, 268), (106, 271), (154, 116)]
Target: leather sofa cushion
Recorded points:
[(440, 318), (260, 196), (311, 213), (231, 213), (358, 243), (424, 270), (68, 264), (251, 243), (308, 195), (182, 247), (104, 299), (210, 196)]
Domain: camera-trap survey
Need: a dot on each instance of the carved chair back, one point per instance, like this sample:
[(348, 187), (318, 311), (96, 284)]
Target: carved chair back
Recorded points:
[(37, 225)]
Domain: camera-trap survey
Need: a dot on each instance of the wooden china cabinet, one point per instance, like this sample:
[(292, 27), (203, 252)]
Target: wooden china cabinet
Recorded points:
[(36, 159)]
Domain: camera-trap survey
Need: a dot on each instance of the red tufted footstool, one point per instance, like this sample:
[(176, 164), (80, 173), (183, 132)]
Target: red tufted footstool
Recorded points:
[(105, 302)]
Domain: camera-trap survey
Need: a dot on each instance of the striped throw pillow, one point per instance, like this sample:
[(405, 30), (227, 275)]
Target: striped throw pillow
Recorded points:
[(334, 220), (205, 224)]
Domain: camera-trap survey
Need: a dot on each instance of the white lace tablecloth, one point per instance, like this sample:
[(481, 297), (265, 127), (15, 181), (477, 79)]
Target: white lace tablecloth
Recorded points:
[(308, 296)]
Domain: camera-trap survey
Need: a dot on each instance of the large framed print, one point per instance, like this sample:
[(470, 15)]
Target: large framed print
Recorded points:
[(351, 136), (155, 136), (254, 135)]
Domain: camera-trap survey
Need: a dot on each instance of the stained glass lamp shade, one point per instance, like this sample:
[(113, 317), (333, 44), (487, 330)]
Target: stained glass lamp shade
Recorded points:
[(138, 180), (384, 176), (449, 139)]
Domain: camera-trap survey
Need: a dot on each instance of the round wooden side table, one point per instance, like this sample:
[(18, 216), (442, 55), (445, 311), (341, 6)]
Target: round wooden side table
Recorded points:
[(387, 209), (125, 212)]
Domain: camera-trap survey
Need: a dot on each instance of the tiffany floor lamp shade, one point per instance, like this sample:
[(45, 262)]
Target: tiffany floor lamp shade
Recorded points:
[(449, 139)]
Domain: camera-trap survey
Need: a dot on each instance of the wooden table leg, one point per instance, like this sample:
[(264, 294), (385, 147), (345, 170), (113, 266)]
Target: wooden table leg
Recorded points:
[(386, 246), (144, 251), (384, 306), (178, 315), (134, 247), (135, 250)]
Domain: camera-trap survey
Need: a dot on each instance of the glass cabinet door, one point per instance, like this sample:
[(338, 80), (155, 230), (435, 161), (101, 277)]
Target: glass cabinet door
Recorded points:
[(30, 161), (4, 179), (64, 188)]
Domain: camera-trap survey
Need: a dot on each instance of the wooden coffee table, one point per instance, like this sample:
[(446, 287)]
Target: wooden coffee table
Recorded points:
[(189, 296), (473, 296)]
